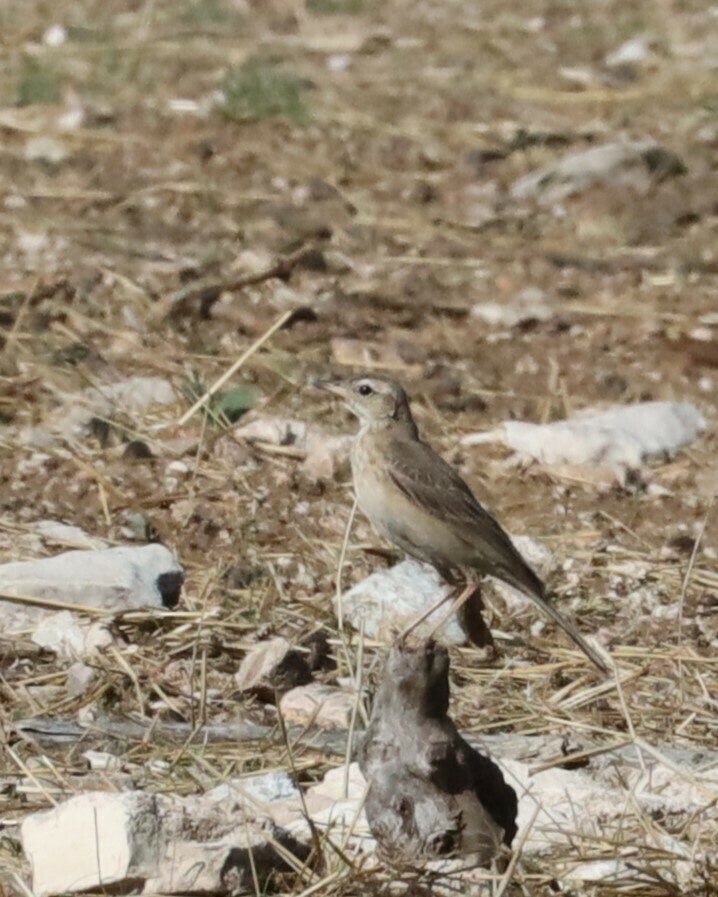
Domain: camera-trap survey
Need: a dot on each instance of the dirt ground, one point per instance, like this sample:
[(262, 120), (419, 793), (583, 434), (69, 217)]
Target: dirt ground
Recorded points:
[(379, 159)]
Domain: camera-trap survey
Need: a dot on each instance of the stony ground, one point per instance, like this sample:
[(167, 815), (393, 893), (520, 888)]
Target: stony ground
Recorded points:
[(155, 157)]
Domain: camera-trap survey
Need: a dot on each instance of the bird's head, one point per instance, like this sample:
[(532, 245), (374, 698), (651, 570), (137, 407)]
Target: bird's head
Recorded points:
[(371, 399)]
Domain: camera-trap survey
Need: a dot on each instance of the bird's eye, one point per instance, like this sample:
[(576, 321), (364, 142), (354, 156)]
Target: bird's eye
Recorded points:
[(365, 390)]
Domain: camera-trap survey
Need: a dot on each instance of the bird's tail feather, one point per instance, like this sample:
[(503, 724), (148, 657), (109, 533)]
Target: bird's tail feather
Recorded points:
[(571, 632), (532, 586)]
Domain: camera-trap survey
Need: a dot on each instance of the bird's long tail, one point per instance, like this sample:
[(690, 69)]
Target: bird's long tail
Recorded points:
[(533, 587), (571, 632)]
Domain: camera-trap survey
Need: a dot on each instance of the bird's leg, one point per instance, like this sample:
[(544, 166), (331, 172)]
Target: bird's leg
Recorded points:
[(470, 589), (427, 613), (448, 576), (472, 619), (477, 629)]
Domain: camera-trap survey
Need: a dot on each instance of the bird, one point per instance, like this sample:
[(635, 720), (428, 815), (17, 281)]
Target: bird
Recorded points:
[(420, 503)]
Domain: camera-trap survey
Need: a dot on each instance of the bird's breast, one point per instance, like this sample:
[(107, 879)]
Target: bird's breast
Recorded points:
[(371, 479), (377, 495), (392, 513)]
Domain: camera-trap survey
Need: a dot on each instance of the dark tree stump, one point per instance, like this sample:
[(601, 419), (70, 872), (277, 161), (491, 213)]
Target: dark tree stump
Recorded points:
[(431, 795)]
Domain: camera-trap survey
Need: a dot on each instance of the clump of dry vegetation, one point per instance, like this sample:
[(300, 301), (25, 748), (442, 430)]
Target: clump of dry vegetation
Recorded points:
[(176, 179)]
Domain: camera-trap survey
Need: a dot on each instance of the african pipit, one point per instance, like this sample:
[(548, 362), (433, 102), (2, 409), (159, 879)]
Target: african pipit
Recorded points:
[(420, 503)]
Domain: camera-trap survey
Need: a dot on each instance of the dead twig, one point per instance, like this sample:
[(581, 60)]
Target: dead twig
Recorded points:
[(200, 298)]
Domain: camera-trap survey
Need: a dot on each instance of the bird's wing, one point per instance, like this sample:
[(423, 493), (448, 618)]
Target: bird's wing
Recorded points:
[(432, 484)]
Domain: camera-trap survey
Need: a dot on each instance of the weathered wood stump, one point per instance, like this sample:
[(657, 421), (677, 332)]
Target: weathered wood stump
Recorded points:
[(431, 795)]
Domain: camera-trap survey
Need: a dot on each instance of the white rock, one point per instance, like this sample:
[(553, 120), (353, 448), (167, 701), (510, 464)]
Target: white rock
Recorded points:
[(218, 866), (631, 52), (91, 840), (665, 791), (61, 632), (337, 803), (535, 24), (562, 796), (324, 452), (183, 106), (270, 787), (32, 243), (113, 579), (79, 679), (325, 455), (269, 664), (133, 394), (71, 418), (580, 75), (631, 163), (55, 35), (264, 789), (392, 599), (72, 117), (252, 261), (274, 430), (170, 845), (572, 805), (46, 149), (530, 304), (67, 534), (602, 871), (666, 612), (318, 705), (98, 637), (13, 201), (102, 761), (87, 714), (621, 437), (339, 62), (337, 784)]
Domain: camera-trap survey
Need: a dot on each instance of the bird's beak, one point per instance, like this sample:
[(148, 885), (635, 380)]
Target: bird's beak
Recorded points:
[(335, 387)]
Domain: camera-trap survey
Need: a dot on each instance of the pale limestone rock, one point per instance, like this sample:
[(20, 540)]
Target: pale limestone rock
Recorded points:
[(98, 637), (102, 761), (389, 600), (79, 679), (67, 535), (337, 804), (73, 415), (112, 578), (319, 705), (61, 632), (531, 304), (272, 666), (632, 163), (91, 840), (163, 844), (325, 454), (619, 437)]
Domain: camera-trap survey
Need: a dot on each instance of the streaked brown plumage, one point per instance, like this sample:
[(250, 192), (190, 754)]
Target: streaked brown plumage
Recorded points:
[(420, 503)]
